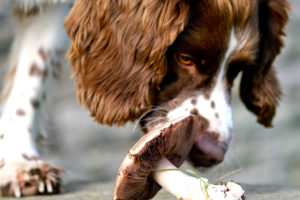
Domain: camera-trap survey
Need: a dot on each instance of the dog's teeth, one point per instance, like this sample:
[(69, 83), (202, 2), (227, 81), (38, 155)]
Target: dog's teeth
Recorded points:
[(49, 186), (17, 191), (41, 187)]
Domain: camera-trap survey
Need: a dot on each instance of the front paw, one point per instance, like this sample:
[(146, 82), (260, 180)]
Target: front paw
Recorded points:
[(29, 177)]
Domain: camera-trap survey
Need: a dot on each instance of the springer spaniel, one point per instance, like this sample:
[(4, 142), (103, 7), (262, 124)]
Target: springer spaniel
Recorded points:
[(161, 61)]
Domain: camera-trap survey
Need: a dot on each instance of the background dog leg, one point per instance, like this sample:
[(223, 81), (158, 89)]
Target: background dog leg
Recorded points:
[(33, 63)]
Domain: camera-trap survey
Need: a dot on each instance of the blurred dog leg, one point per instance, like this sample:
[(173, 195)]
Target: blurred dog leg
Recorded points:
[(34, 63)]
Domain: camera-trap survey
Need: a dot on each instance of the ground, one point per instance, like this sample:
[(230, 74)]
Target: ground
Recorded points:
[(103, 191)]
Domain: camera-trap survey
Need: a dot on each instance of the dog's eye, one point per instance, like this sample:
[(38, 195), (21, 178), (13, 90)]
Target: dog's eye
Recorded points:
[(185, 59), (186, 62)]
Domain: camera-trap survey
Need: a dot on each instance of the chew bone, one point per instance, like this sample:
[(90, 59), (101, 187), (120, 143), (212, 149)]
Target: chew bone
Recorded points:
[(167, 148), (189, 188), (174, 142)]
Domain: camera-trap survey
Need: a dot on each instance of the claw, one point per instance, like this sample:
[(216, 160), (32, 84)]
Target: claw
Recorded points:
[(49, 186), (41, 187), (35, 178), (17, 191)]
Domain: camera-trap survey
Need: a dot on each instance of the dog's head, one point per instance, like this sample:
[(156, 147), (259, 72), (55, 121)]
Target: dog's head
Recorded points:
[(167, 60)]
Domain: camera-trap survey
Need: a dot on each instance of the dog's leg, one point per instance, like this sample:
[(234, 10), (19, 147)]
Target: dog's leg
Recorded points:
[(33, 63)]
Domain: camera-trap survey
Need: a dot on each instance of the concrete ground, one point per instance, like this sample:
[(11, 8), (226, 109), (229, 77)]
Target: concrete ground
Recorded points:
[(103, 191)]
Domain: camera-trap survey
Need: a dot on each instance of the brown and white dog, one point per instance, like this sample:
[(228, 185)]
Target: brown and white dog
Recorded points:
[(160, 60)]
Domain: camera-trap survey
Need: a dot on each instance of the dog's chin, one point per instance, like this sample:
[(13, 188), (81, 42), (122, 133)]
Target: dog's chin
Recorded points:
[(207, 150)]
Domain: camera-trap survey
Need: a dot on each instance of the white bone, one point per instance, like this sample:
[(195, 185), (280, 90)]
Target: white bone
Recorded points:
[(190, 188)]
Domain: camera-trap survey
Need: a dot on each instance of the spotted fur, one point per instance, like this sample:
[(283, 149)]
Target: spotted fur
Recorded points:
[(34, 63)]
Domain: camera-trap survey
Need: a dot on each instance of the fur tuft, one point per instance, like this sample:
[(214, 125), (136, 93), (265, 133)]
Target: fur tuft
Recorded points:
[(118, 53), (260, 89)]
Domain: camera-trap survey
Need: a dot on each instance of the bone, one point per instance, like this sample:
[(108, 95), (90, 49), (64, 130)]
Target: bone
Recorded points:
[(167, 148), (189, 188)]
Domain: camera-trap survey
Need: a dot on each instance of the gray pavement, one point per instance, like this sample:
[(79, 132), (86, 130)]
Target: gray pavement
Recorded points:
[(104, 191)]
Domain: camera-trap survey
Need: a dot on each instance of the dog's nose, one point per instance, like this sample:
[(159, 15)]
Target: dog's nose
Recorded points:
[(207, 150)]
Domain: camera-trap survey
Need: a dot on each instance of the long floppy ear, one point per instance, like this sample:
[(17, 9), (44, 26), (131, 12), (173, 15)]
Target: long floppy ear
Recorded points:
[(260, 89), (118, 53)]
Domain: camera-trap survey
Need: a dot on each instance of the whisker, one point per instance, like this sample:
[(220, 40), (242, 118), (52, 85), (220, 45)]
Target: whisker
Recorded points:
[(159, 108), (149, 119), (156, 119)]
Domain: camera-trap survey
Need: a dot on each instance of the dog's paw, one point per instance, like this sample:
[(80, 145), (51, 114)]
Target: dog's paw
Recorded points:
[(29, 177)]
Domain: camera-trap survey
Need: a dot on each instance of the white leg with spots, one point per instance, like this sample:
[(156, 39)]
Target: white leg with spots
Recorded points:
[(39, 36)]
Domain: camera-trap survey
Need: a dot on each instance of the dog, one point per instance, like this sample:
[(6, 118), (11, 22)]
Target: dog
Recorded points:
[(161, 61)]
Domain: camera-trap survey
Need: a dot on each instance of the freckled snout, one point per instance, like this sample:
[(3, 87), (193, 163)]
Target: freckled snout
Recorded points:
[(207, 150)]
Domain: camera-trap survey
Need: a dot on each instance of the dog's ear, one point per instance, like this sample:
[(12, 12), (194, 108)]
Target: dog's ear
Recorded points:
[(260, 89), (118, 53)]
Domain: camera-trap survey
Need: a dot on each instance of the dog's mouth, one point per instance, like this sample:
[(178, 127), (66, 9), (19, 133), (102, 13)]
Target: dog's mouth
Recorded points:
[(207, 150)]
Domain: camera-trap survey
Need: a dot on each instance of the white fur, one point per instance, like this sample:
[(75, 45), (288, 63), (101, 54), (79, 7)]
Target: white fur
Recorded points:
[(223, 124), (33, 34), (38, 38)]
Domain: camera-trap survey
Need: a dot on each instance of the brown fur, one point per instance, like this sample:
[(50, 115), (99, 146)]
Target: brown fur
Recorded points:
[(21, 112), (44, 55), (20, 13), (35, 103), (118, 53), (260, 90), (122, 53), (36, 71)]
